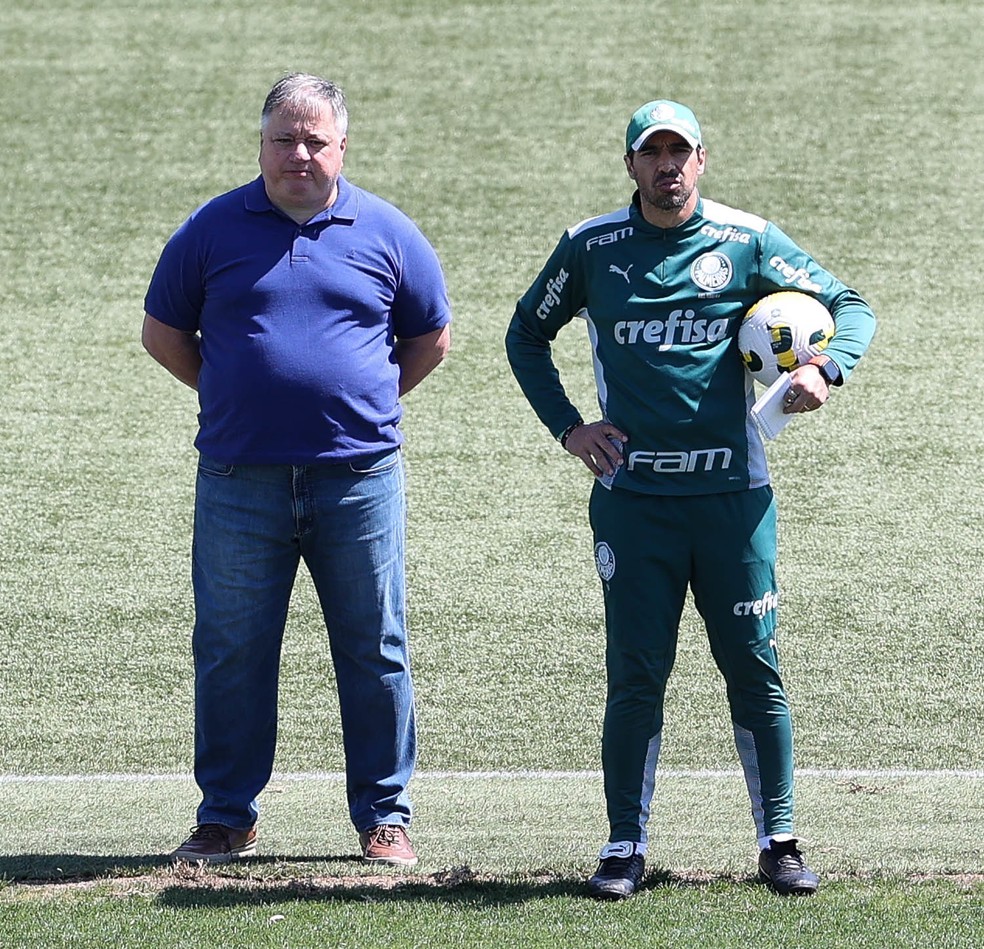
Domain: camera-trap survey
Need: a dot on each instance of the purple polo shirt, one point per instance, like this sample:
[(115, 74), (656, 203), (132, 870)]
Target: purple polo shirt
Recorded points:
[(298, 322)]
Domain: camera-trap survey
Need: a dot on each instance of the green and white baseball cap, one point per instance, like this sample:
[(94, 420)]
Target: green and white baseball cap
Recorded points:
[(661, 115)]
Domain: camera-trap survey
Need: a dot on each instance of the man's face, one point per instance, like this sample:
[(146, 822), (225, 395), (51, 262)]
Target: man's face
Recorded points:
[(300, 160), (666, 169)]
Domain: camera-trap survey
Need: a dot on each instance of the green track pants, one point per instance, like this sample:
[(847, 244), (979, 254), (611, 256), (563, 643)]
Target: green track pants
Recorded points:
[(648, 550)]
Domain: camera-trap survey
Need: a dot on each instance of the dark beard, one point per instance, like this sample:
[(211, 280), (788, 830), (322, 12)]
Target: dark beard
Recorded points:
[(668, 202)]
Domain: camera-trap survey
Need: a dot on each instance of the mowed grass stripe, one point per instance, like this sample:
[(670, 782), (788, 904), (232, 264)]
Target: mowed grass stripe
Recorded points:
[(861, 825), (542, 775)]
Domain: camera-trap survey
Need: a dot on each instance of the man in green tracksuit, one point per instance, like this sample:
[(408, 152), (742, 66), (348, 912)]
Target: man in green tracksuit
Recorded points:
[(682, 497)]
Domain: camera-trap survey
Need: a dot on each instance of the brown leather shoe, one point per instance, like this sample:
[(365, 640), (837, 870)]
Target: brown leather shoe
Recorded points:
[(216, 843), (387, 843)]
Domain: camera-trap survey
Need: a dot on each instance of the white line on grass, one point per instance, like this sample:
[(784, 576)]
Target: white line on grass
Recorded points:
[(973, 774)]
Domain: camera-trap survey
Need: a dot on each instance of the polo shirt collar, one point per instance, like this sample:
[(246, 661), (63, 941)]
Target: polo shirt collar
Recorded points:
[(344, 210)]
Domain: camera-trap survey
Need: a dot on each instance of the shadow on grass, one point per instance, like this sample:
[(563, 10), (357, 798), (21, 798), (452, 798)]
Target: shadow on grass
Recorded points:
[(336, 878), (459, 886), (55, 868)]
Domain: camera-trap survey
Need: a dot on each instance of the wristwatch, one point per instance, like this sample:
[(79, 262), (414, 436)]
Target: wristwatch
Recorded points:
[(828, 369)]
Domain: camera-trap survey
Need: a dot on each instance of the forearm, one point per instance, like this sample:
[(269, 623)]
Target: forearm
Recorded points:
[(855, 328), (534, 369), (178, 352), (419, 356)]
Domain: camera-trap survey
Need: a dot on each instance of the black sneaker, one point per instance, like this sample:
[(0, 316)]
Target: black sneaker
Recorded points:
[(619, 873), (782, 866)]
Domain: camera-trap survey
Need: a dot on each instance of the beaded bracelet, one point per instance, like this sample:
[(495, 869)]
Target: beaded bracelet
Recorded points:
[(565, 434)]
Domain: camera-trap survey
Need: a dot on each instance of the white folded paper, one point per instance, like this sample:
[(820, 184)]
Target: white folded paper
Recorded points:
[(767, 412)]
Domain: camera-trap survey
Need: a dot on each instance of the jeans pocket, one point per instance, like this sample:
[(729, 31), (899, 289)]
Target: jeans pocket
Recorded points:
[(375, 464), (210, 466)]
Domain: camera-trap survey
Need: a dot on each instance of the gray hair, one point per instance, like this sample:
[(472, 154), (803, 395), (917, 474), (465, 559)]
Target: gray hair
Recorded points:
[(304, 95)]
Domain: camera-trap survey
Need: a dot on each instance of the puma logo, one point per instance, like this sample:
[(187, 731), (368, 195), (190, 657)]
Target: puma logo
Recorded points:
[(612, 268)]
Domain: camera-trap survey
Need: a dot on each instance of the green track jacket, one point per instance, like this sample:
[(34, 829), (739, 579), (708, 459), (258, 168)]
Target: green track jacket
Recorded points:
[(663, 307)]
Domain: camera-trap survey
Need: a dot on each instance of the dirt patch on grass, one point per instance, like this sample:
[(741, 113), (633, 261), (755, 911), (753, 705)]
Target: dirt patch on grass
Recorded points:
[(280, 883), (201, 877)]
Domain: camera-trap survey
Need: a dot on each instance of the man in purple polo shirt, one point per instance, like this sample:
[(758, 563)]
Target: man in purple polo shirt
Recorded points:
[(301, 308)]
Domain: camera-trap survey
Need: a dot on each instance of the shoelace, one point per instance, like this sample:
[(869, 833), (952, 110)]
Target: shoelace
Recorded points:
[(612, 866), (789, 856), (385, 834), (207, 832)]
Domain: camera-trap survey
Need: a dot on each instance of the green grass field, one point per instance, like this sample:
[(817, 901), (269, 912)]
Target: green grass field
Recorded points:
[(856, 127)]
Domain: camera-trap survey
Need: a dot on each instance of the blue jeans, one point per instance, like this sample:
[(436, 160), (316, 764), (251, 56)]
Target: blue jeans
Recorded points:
[(253, 524)]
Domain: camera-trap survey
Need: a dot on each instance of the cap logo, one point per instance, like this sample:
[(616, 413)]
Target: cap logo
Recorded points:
[(661, 114)]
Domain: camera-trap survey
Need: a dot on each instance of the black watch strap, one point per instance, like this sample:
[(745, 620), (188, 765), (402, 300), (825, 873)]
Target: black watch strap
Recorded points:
[(828, 369), (830, 372)]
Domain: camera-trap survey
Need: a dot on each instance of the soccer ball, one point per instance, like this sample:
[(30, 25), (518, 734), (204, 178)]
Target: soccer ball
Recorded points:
[(781, 332)]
